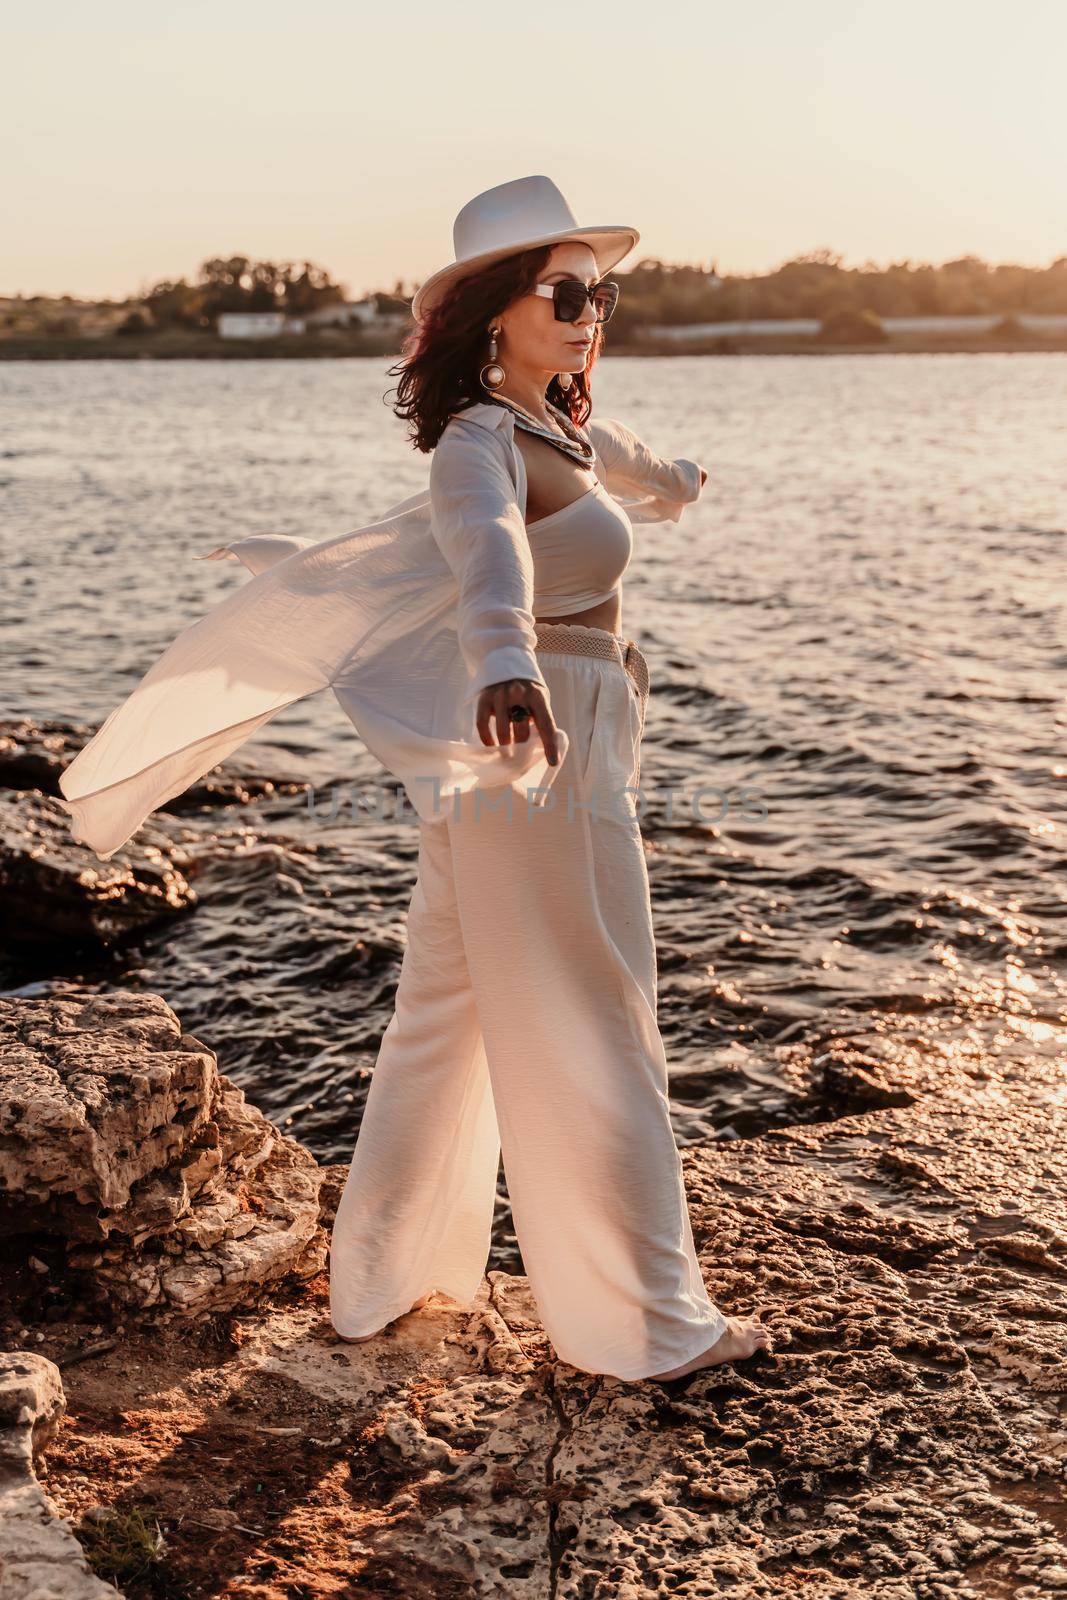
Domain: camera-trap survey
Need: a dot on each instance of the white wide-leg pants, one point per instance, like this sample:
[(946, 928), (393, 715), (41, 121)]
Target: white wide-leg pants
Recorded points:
[(525, 1022)]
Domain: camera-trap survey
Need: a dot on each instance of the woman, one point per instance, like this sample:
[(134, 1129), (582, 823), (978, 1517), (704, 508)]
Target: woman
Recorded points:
[(525, 1014), (525, 1011)]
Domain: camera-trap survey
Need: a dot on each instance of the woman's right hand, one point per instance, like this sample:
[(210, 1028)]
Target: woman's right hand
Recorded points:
[(493, 702)]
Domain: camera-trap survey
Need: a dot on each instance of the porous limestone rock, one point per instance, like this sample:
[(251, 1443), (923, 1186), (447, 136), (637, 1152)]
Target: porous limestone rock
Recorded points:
[(40, 1559), (118, 1132), (54, 891)]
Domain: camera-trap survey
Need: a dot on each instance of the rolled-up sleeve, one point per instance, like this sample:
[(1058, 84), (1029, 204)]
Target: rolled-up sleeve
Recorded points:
[(480, 529), (660, 488)]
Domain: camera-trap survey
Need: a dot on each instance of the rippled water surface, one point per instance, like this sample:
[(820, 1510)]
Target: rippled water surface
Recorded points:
[(858, 638)]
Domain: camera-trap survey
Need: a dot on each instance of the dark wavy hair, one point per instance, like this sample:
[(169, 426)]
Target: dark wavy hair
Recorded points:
[(442, 355)]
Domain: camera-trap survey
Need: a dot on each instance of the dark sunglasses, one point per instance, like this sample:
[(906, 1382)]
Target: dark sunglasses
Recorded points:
[(570, 294)]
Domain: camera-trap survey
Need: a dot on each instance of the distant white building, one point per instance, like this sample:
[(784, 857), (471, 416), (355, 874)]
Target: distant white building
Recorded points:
[(713, 330), (1037, 322), (257, 324), (343, 314)]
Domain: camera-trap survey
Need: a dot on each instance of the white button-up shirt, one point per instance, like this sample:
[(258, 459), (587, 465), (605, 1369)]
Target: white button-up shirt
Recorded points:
[(406, 619)]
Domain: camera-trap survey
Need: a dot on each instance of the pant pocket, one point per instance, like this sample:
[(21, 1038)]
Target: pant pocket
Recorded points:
[(614, 753), (590, 702)]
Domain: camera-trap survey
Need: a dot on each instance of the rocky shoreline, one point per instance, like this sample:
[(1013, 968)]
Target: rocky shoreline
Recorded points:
[(179, 1419), (906, 1436)]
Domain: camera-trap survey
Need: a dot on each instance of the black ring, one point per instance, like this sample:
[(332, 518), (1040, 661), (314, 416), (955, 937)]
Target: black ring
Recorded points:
[(518, 713)]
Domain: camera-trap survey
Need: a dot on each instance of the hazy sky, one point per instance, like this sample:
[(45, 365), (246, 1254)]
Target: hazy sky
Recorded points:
[(139, 144)]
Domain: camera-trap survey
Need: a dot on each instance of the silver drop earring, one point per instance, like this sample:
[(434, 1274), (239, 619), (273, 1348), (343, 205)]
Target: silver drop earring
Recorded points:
[(564, 379), (492, 374)]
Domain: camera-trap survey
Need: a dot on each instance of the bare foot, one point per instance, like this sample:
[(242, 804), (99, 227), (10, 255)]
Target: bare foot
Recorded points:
[(363, 1337), (743, 1337)]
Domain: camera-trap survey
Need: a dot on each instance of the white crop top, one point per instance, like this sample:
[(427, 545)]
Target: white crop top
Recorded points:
[(580, 552)]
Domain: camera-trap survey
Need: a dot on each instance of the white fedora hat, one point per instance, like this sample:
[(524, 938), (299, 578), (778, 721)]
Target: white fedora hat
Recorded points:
[(516, 216)]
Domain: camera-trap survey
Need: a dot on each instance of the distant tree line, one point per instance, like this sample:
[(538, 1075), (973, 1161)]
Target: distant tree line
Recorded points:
[(237, 283), (817, 285), (849, 301)]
